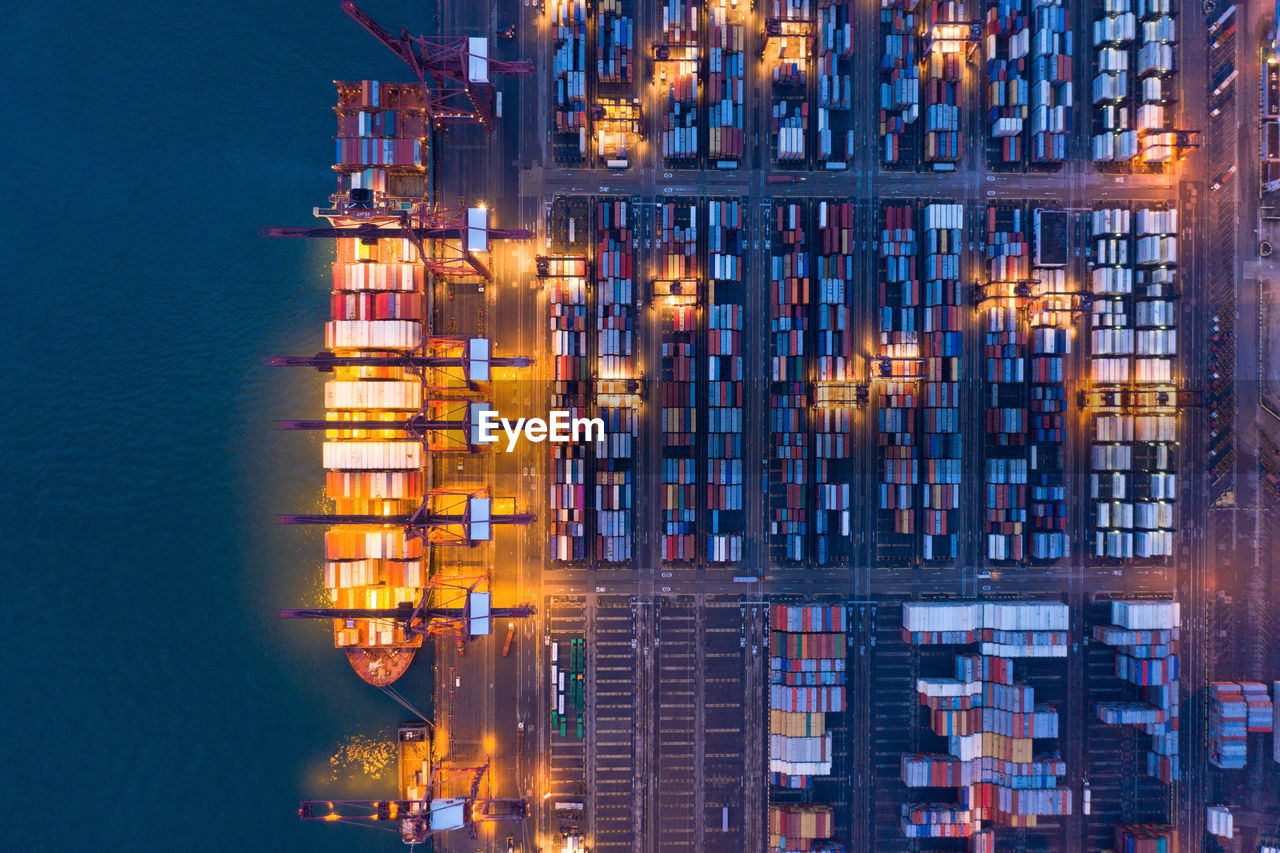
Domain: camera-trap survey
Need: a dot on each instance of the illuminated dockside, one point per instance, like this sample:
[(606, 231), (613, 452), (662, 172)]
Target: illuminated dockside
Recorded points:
[(396, 394)]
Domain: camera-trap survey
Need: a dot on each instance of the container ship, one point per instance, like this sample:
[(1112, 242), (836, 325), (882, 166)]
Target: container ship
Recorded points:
[(378, 307), (396, 393)]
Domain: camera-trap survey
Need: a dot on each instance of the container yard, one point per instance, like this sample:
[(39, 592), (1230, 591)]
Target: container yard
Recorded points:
[(726, 81), (789, 47), (1133, 349), (993, 726), (1007, 49), (1134, 84), (898, 372), (1006, 389), (942, 324), (835, 389), (946, 33), (676, 71), (616, 382), (565, 283), (1050, 314), (678, 290), (726, 304), (835, 139), (789, 477), (1145, 636), (1029, 83), (617, 120), (900, 83), (807, 702), (569, 67)]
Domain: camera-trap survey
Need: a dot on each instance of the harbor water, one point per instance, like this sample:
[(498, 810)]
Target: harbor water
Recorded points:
[(152, 700)]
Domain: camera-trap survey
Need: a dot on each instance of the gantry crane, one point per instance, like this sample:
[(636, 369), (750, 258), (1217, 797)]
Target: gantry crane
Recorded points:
[(446, 517), (448, 609), (433, 813), (459, 70), (442, 425), (457, 235)]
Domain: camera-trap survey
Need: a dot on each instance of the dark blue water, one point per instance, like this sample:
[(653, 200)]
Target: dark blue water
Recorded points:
[(150, 701)]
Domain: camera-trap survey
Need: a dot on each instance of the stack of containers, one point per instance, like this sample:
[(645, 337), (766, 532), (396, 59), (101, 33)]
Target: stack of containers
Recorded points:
[(833, 348), (899, 300), (679, 76), (1008, 41), (788, 389), (1051, 92), (1228, 726), (790, 125), (1015, 629), (615, 323), (1219, 821), (942, 62), (615, 40), (1236, 709), (567, 302), (1145, 636), (1110, 357), (726, 303), (1114, 138), (382, 127), (677, 250), (1258, 707), (1156, 341), (990, 721), (1156, 68), (568, 687), (835, 86), (1050, 341), (799, 829), (942, 332), (806, 682), (1005, 390), (376, 307), (569, 68), (1146, 839), (899, 79), (726, 75)]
